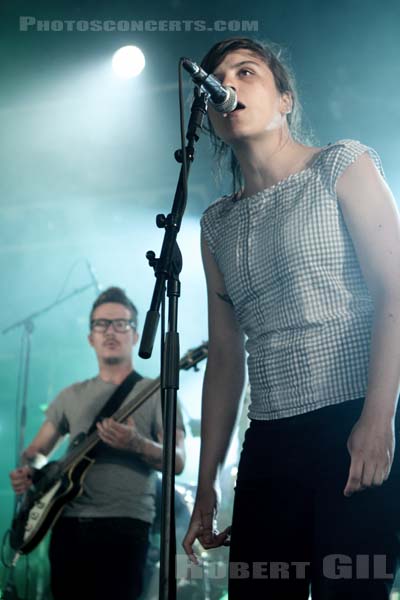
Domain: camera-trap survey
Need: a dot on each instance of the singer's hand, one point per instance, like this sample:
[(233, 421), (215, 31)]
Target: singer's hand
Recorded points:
[(203, 525)]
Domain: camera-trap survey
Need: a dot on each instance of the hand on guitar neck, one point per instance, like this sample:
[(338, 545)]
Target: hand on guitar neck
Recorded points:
[(123, 436)]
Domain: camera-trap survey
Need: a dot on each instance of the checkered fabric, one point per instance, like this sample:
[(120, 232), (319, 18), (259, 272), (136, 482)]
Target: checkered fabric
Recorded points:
[(292, 274)]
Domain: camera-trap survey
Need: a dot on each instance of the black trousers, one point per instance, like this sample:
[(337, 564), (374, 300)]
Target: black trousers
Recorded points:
[(293, 527), (98, 559)]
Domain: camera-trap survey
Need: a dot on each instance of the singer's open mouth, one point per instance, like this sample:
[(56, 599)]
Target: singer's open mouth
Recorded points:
[(240, 106)]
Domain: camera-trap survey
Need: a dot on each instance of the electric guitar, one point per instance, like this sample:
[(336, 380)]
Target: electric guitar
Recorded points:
[(59, 482)]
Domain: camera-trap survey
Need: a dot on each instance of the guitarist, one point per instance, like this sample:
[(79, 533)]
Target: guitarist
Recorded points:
[(98, 546)]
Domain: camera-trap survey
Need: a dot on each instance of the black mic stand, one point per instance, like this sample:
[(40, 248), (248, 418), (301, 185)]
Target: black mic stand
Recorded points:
[(27, 324), (167, 268)]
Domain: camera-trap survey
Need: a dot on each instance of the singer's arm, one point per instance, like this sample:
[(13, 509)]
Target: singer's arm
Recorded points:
[(222, 390)]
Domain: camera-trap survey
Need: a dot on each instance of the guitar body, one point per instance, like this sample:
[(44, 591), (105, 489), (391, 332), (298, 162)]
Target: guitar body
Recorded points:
[(42, 505)]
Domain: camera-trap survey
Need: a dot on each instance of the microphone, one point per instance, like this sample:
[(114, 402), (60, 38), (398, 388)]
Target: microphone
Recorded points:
[(93, 277), (223, 98)]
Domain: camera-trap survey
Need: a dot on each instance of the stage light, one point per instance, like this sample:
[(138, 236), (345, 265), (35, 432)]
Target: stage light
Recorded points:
[(128, 62)]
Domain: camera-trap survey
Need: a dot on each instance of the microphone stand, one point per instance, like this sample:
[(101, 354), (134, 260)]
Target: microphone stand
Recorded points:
[(28, 328), (167, 268)]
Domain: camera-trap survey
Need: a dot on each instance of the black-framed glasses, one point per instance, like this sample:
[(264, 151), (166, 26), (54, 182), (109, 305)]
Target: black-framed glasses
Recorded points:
[(119, 325)]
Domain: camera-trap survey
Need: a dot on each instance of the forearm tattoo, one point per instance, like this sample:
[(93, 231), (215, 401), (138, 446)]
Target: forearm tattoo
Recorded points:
[(225, 298)]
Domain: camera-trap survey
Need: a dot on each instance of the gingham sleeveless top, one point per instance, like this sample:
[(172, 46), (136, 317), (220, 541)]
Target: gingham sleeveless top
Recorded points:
[(291, 272)]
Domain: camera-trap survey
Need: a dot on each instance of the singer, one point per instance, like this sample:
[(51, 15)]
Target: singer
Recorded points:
[(302, 263), (98, 547)]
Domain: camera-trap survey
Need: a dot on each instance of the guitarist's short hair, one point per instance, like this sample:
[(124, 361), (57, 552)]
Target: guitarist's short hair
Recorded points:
[(117, 295)]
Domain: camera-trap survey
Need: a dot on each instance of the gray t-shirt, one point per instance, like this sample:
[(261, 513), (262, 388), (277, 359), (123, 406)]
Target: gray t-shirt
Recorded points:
[(119, 484)]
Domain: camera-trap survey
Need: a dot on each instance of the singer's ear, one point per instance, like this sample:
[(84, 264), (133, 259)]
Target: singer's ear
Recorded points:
[(135, 338), (286, 103)]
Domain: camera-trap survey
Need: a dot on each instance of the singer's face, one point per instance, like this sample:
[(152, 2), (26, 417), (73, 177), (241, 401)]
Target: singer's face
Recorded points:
[(113, 347), (264, 107)]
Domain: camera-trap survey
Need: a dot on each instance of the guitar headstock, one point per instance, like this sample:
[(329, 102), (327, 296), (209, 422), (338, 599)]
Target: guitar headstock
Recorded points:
[(193, 357)]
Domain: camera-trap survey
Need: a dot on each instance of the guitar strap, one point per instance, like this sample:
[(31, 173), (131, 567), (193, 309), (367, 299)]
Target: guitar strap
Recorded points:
[(116, 398)]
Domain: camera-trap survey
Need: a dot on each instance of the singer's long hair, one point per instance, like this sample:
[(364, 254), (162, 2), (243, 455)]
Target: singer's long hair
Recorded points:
[(272, 55)]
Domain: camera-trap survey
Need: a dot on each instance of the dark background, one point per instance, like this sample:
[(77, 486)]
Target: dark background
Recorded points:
[(87, 162)]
